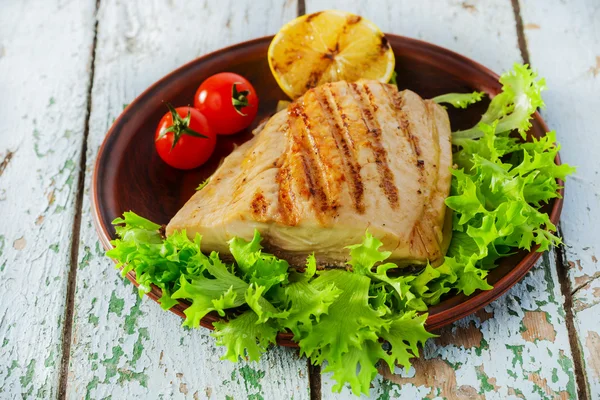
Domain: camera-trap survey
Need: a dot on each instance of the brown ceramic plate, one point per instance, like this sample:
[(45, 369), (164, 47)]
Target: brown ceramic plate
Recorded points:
[(129, 175)]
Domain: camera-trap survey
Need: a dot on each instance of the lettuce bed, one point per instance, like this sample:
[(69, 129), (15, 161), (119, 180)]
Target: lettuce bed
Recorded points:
[(355, 318)]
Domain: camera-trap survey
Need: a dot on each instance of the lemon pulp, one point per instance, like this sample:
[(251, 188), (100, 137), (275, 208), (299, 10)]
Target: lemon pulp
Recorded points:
[(328, 46)]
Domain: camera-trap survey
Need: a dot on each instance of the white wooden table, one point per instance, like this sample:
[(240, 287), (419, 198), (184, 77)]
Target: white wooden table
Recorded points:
[(70, 327)]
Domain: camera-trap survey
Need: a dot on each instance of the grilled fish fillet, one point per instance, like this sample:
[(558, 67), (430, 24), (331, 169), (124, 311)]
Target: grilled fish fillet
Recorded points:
[(343, 158)]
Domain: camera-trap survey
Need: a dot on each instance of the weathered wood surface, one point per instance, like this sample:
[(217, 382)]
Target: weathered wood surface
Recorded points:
[(518, 347), (563, 40), (44, 78), (124, 346)]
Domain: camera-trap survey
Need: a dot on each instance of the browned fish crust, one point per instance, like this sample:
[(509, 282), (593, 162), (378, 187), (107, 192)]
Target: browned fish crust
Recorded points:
[(343, 158), (386, 176)]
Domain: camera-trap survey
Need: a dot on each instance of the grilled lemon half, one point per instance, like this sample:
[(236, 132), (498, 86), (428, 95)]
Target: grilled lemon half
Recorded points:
[(328, 46)]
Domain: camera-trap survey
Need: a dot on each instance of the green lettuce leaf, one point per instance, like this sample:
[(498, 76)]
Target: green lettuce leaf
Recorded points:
[(394, 79), (356, 367), (514, 106), (202, 184), (305, 301), (260, 268), (459, 100), (221, 291), (244, 337), (405, 334), (336, 331)]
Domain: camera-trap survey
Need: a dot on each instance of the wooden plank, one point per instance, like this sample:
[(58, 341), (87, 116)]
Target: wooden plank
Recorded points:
[(44, 79), (518, 347), (447, 23), (123, 346), (564, 45)]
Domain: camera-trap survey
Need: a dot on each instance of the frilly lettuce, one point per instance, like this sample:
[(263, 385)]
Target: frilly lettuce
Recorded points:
[(459, 100), (343, 317)]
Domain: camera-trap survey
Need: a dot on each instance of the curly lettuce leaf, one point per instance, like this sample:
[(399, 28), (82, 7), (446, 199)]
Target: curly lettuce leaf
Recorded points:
[(514, 106), (459, 100), (405, 334), (244, 337), (356, 367), (305, 301), (364, 256), (336, 332), (260, 268), (131, 221), (222, 290), (263, 309), (142, 249)]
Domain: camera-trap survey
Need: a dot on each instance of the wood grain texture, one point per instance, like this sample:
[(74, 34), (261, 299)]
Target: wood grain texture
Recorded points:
[(565, 47), (44, 80), (124, 346), (481, 30), (518, 347)]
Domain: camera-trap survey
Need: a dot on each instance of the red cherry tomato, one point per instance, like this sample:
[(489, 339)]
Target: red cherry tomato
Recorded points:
[(228, 101), (183, 138)]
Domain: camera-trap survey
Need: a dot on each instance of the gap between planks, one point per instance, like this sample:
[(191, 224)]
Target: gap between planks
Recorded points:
[(566, 289), (314, 380), (520, 32), (583, 391), (72, 277)]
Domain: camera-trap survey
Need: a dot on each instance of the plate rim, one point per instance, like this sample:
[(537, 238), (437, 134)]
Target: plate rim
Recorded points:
[(469, 304)]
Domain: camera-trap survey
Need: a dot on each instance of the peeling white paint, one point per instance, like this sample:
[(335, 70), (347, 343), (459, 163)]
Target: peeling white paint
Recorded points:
[(566, 50), (43, 86)]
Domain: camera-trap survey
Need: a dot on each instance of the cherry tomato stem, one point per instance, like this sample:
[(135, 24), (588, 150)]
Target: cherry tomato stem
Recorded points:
[(184, 138)]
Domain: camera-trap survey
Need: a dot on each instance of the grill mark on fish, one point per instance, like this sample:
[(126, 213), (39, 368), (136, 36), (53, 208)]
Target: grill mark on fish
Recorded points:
[(412, 139), (315, 143), (398, 101), (405, 127), (431, 245), (371, 98), (238, 184), (312, 166), (287, 209), (386, 176), (345, 146), (259, 206), (436, 140), (286, 197)]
